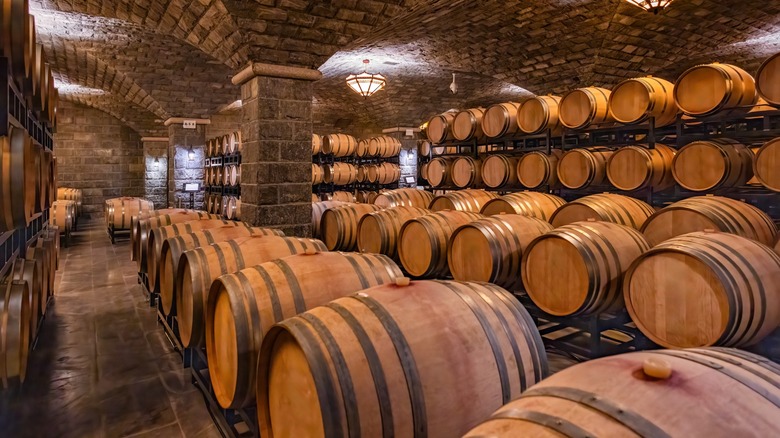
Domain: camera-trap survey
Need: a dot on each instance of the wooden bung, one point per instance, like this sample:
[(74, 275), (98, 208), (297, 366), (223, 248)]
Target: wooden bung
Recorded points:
[(491, 249), (705, 289), (392, 352), (532, 204), (643, 394), (199, 267), (710, 212), (577, 269), (242, 307), (606, 207)]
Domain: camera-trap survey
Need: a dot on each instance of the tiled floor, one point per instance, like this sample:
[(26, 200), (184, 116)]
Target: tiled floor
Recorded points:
[(102, 366)]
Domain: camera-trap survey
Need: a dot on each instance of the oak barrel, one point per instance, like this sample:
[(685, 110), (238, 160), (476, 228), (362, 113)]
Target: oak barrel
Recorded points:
[(316, 144), (440, 127), (411, 371), (46, 271), (500, 119), (463, 200), (768, 80), (499, 171), (709, 89), (704, 289), (29, 271), (540, 114), (490, 249), (577, 269), (342, 196), (466, 172), (145, 215), (766, 165), (20, 179), (340, 173), (635, 101), (538, 169), (361, 150), (710, 213), (340, 145), (269, 293), (648, 394), (384, 173), (423, 242), (339, 225), (404, 197), (532, 204), (468, 124), (584, 107), (199, 267), (378, 231), (63, 215), (439, 171), (424, 148), (383, 146), (710, 164), (14, 332), (583, 167), (607, 207), (119, 211), (638, 167), (144, 228)]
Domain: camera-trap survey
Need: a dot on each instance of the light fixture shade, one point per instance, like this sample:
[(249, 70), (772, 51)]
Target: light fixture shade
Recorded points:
[(654, 6), (366, 84), (191, 155)]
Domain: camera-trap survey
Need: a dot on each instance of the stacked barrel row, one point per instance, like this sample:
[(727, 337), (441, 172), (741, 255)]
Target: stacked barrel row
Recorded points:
[(229, 206), (224, 145), (594, 255), (222, 175), (343, 145), (228, 175), (253, 297), (26, 289)]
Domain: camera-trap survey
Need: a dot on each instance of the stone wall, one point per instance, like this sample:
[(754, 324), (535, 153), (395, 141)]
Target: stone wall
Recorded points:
[(182, 170), (223, 124), (156, 172), (98, 154)]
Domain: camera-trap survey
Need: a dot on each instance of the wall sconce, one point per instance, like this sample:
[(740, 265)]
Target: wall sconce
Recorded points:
[(156, 163), (191, 154)]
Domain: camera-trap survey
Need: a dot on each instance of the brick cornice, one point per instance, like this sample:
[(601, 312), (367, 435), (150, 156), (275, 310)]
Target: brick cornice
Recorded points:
[(275, 71)]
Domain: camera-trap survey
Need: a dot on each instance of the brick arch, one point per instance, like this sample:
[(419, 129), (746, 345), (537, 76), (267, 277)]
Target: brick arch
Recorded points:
[(140, 121)]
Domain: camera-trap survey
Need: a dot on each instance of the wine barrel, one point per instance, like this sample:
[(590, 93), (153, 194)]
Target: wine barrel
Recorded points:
[(577, 269), (317, 209), (767, 163), (585, 107), (424, 148), (20, 155), (120, 211), (710, 164), (704, 289), (316, 144), (424, 171), (462, 200), (538, 169), (51, 240), (46, 271), (342, 196), (500, 119), (636, 100), (317, 174), (499, 171), (15, 327), (234, 142), (145, 215), (63, 215), (637, 167), (580, 168), (490, 249), (710, 89), (422, 242), (29, 271), (385, 173), (199, 267), (606, 207), (383, 146), (340, 145), (468, 124), (645, 394), (18, 12), (235, 175), (440, 128), (48, 173), (533, 204), (404, 197), (378, 231), (768, 80), (226, 175), (365, 196), (361, 150), (439, 171), (339, 225), (272, 292), (391, 351), (145, 227), (540, 114), (710, 212), (158, 236), (466, 172)]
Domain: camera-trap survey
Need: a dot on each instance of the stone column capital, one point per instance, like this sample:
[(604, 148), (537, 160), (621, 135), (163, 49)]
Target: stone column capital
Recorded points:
[(255, 69), (155, 139), (181, 120)]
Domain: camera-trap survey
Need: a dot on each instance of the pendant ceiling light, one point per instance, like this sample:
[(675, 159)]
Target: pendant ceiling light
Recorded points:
[(366, 84), (654, 6)]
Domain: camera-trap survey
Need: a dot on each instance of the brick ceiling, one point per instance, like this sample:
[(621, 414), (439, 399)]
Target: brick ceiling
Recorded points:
[(146, 60)]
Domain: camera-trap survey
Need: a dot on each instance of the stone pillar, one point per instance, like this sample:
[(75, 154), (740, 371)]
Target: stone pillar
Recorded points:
[(276, 128), (182, 170), (156, 170)]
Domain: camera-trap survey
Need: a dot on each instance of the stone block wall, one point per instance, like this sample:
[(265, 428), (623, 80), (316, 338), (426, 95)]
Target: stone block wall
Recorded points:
[(182, 170), (156, 173), (223, 124), (98, 154)]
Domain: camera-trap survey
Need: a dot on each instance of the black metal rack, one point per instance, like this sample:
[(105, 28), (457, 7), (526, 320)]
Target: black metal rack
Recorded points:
[(328, 160), (221, 189)]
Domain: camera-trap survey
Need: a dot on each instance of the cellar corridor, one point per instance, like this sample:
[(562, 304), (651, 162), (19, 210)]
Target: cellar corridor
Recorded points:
[(102, 367)]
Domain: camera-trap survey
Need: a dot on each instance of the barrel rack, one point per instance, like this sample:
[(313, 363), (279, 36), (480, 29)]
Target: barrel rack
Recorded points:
[(328, 160), (221, 189)]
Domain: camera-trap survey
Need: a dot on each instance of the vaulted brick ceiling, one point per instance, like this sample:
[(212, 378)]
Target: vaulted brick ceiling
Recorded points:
[(153, 59)]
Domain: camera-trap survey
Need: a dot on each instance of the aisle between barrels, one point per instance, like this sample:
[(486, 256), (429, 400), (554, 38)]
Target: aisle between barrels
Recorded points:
[(102, 366)]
